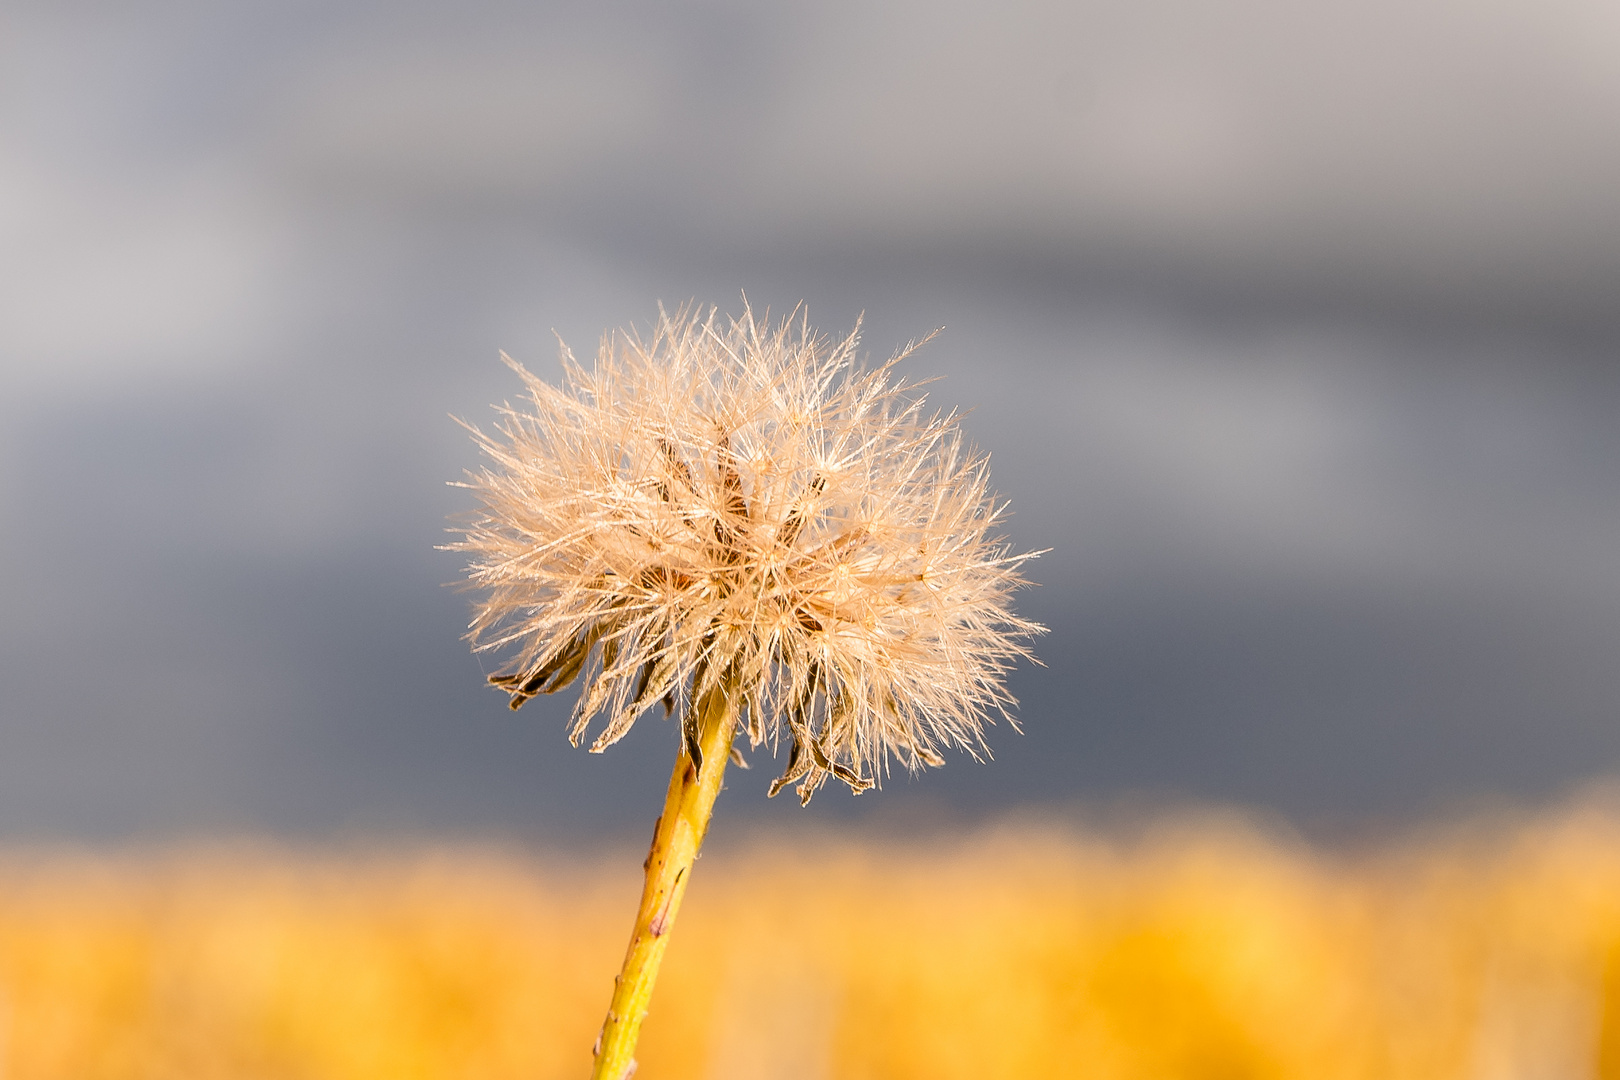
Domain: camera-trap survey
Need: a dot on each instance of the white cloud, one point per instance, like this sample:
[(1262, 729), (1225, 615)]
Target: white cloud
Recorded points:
[(500, 114), (1441, 133), (101, 281)]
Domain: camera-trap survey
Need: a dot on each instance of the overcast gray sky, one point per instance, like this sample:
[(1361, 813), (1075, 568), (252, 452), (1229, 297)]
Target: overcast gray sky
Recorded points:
[(1291, 329)]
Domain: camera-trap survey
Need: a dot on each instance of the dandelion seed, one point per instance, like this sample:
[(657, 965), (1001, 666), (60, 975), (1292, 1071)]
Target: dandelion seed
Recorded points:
[(733, 520)]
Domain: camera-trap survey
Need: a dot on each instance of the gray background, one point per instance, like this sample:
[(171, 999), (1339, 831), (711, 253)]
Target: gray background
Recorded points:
[(1291, 326)]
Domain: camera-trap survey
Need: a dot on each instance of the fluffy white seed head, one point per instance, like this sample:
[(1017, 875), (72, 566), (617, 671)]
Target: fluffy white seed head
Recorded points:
[(731, 499)]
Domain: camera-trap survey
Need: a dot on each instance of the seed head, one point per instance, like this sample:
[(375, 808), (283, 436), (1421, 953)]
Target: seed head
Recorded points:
[(727, 499)]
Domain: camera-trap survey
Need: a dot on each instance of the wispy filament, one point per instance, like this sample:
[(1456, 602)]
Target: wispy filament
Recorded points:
[(733, 496)]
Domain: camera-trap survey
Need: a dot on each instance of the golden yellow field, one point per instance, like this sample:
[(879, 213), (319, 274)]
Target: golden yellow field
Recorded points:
[(1204, 949)]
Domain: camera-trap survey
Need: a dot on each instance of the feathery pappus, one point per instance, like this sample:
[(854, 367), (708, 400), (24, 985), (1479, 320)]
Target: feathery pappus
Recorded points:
[(735, 499)]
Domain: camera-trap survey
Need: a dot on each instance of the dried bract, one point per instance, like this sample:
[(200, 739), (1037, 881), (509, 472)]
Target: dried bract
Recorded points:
[(731, 499)]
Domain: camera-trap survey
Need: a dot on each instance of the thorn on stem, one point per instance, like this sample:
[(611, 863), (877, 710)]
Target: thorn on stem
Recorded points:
[(660, 922), (657, 822)]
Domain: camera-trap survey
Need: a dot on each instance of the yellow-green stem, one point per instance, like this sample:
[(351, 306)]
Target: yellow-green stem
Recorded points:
[(676, 839)]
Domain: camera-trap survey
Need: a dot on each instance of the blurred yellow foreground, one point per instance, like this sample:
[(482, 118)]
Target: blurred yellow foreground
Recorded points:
[(1204, 950)]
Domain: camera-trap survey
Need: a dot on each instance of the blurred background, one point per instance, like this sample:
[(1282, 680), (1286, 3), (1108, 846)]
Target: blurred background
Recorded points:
[(1291, 327)]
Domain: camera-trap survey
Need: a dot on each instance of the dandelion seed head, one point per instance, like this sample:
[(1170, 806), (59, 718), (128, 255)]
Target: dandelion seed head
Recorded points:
[(732, 498)]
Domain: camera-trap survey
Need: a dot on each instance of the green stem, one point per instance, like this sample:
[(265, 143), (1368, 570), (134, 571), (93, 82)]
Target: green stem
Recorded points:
[(676, 840)]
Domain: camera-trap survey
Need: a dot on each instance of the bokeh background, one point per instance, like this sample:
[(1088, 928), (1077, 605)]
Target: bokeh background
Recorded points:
[(1291, 328)]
